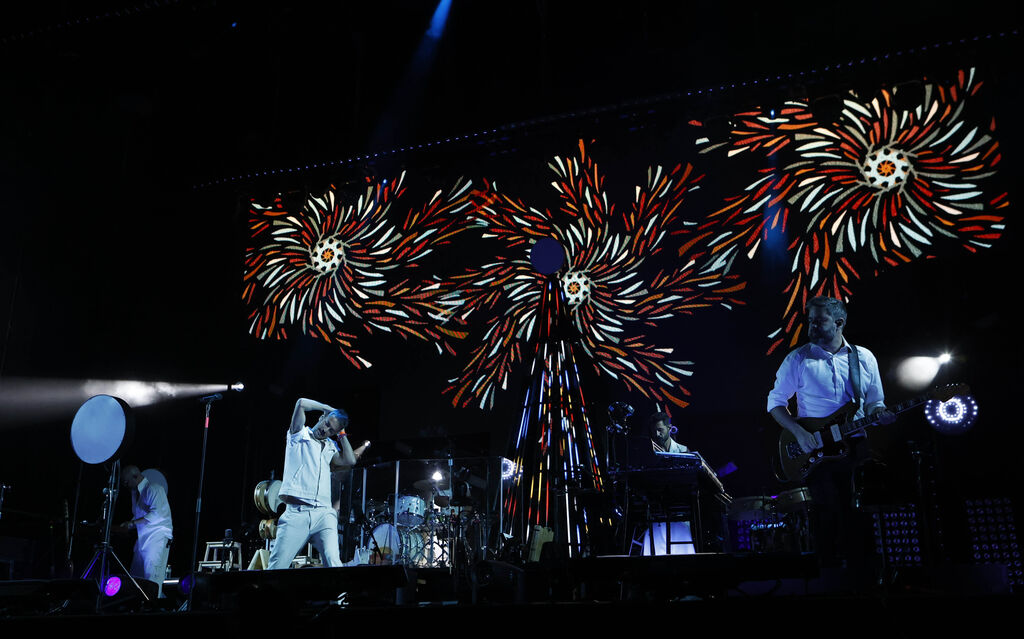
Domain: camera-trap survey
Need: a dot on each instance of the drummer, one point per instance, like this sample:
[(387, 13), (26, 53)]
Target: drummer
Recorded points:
[(310, 456)]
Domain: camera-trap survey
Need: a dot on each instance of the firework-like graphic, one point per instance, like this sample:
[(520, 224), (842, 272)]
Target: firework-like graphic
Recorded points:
[(611, 300), (881, 187), (332, 269), (553, 448)]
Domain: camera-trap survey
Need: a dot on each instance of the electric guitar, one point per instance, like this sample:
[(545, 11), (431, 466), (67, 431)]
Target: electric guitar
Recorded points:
[(832, 433)]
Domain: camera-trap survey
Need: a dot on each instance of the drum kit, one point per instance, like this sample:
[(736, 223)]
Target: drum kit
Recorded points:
[(402, 530), (775, 523), (419, 532)]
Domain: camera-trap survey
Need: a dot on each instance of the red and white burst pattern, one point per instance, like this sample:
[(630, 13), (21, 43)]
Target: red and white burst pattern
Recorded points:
[(611, 298), (330, 268), (882, 186)]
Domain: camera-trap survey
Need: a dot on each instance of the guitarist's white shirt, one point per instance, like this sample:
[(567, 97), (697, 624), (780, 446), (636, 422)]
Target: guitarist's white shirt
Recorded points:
[(821, 381)]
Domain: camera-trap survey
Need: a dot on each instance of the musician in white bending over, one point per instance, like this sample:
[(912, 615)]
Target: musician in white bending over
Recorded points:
[(661, 435), (311, 454), (151, 519)]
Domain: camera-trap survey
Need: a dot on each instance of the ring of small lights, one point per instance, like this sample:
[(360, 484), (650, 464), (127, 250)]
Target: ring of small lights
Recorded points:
[(954, 415), (508, 469)]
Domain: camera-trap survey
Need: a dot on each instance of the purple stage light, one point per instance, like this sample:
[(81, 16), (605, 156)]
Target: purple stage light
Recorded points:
[(113, 586)]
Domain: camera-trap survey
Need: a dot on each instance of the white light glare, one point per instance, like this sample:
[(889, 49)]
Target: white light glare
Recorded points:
[(437, 476), (916, 373)]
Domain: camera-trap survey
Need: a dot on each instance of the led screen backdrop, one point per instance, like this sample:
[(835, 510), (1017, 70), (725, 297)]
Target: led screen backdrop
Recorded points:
[(660, 256), (880, 185)]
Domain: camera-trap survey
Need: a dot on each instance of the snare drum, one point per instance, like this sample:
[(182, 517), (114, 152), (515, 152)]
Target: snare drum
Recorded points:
[(793, 500), (750, 508), (411, 509), (267, 498)]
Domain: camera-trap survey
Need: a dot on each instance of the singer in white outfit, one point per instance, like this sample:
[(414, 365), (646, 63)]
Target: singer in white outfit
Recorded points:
[(310, 456)]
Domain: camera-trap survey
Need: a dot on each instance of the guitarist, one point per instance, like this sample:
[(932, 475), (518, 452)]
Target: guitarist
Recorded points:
[(819, 374)]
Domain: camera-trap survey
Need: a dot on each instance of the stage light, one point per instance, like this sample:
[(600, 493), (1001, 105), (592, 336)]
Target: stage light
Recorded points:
[(437, 476), (993, 536), (508, 469), (102, 428), (439, 19), (898, 537), (27, 399), (112, 586), (953, 416), (916, 373)]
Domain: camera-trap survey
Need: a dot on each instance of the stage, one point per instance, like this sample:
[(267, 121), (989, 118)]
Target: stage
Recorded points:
[(710, 592)]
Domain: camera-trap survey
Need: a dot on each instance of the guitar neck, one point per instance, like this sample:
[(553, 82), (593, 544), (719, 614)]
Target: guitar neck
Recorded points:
[(862, 423)]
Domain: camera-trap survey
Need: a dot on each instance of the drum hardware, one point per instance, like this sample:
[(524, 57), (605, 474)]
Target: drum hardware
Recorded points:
[(776, 523)]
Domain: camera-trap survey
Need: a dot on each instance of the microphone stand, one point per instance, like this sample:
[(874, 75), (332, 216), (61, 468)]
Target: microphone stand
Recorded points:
[(207, 401)]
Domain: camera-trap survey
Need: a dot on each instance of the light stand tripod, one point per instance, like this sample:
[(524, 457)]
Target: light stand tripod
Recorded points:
[(104, 552)]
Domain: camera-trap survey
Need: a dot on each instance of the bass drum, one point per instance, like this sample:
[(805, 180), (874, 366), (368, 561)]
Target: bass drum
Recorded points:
[(385, 545), (391, 546), (267, 498)]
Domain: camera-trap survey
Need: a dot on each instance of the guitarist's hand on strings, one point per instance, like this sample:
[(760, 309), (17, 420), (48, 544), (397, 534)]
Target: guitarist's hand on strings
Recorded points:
[(807, 441)]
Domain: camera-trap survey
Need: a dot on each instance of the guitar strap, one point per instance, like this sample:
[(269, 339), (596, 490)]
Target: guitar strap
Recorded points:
[(855, 374)]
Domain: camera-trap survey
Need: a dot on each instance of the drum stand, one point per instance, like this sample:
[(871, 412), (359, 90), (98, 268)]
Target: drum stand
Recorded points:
[(104, 552)]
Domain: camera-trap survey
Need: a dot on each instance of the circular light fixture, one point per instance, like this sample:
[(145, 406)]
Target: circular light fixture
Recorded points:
[(953, 416), (102, 428), (112, 586), (508, 469)]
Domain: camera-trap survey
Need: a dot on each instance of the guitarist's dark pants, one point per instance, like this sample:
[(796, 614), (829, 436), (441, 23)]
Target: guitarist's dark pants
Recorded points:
[(840, 532)]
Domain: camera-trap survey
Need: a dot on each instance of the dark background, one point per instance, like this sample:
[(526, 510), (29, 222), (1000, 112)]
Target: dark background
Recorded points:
[(132, 137)]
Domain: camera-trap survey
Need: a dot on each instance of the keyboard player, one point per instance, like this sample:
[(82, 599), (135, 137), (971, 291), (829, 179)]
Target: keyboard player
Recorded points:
[(662, 430)]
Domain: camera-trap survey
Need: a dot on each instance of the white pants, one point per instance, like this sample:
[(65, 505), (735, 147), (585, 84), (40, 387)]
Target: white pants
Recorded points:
[(299, 524), (149, 561)]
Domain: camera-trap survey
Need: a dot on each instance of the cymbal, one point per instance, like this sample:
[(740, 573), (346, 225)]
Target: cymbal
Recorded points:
[(430, 484)]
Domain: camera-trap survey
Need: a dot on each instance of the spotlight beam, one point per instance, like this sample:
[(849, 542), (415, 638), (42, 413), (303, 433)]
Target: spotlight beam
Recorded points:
[(29, 400)]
